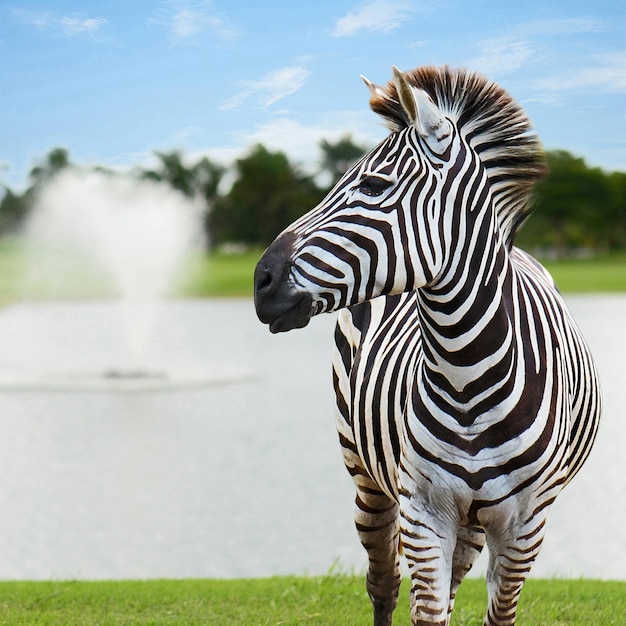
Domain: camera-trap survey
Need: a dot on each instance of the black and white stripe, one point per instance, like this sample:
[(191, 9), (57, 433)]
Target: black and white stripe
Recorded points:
[(466, 396)]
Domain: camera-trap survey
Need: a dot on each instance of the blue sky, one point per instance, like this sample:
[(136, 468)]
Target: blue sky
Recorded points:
[(114, 81)]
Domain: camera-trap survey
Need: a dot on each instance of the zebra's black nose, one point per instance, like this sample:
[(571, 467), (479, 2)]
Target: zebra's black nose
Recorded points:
[(270, 278), (276, 301), (263, 279), (272, 270)]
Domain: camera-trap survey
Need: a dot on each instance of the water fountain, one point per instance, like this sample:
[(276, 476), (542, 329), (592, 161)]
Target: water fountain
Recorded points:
[(133, 235)]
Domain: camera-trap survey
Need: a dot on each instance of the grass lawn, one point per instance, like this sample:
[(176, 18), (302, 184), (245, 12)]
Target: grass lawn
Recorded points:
[(603, 274), (328, 600), (220, 274), (39, 275), (231, 274)]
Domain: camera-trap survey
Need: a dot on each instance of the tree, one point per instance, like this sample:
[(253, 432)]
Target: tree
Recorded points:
[(267, 195), (571, 207), (14, 209), (55, 161), (615, 214), (208, 176), (338, 157), (576, 206), (173, 171), (199, 181)]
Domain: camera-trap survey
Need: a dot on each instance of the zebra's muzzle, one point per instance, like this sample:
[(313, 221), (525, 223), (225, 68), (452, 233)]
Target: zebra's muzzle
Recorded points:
[(297, 316), (276, 300)]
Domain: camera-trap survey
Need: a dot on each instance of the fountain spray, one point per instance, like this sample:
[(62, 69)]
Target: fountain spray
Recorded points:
[(139, 232)]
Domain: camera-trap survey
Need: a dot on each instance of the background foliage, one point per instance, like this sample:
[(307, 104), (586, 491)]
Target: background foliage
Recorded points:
[(579, 210)]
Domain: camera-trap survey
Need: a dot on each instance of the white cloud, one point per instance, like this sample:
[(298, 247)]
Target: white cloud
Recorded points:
[(501, 55), (68, 25), (605, 72), (270, 88), (75, 25), (186, 132), (376, 15), (300, 141), (570, 26), (527, 43), (187, 19), (539, 44)]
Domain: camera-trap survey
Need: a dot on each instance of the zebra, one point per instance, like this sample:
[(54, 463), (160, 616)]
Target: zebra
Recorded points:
[(466, 397)]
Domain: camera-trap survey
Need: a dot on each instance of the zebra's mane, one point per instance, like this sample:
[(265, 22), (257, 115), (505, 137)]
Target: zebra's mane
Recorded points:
[(493, 124)]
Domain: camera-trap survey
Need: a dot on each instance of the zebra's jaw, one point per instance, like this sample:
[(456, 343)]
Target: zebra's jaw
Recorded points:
[(293, 313), (277, 301)]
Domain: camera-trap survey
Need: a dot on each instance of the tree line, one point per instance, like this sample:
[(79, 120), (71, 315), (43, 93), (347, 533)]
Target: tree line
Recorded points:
[(577, 207)]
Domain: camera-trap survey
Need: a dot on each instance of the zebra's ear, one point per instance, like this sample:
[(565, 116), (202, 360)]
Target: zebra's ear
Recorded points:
[(375, 90), (406, 96), (432, 125)]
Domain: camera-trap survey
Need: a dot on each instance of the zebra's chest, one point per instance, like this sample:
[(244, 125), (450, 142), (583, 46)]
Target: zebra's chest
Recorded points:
[(386, 343), (463, 465), (480, 443)]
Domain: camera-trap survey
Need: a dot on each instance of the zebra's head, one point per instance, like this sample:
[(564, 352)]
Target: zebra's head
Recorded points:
[(390, 223)]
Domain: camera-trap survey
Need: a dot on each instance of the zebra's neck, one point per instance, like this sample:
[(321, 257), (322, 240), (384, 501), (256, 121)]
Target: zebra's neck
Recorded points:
[(469, 343)]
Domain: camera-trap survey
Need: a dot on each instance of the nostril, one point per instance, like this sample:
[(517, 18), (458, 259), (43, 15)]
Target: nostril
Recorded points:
[(264, 280), (272, 270)]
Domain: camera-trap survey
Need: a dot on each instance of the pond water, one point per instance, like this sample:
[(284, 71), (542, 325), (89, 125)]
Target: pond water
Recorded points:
[(239, 476)]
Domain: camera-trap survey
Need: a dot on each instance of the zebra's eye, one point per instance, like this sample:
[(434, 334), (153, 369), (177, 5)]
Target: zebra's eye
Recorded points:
[(373, 185)]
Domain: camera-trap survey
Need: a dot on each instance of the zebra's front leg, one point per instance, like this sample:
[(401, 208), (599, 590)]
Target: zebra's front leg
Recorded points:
[(510, 560), (376, 519), (429, 542), (469, 544)]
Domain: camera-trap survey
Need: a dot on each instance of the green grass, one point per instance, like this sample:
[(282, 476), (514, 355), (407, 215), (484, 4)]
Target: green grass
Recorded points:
[(35, 274), (231, 274), (219, 275), (327, 600), (39, 274), (605, 273)]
